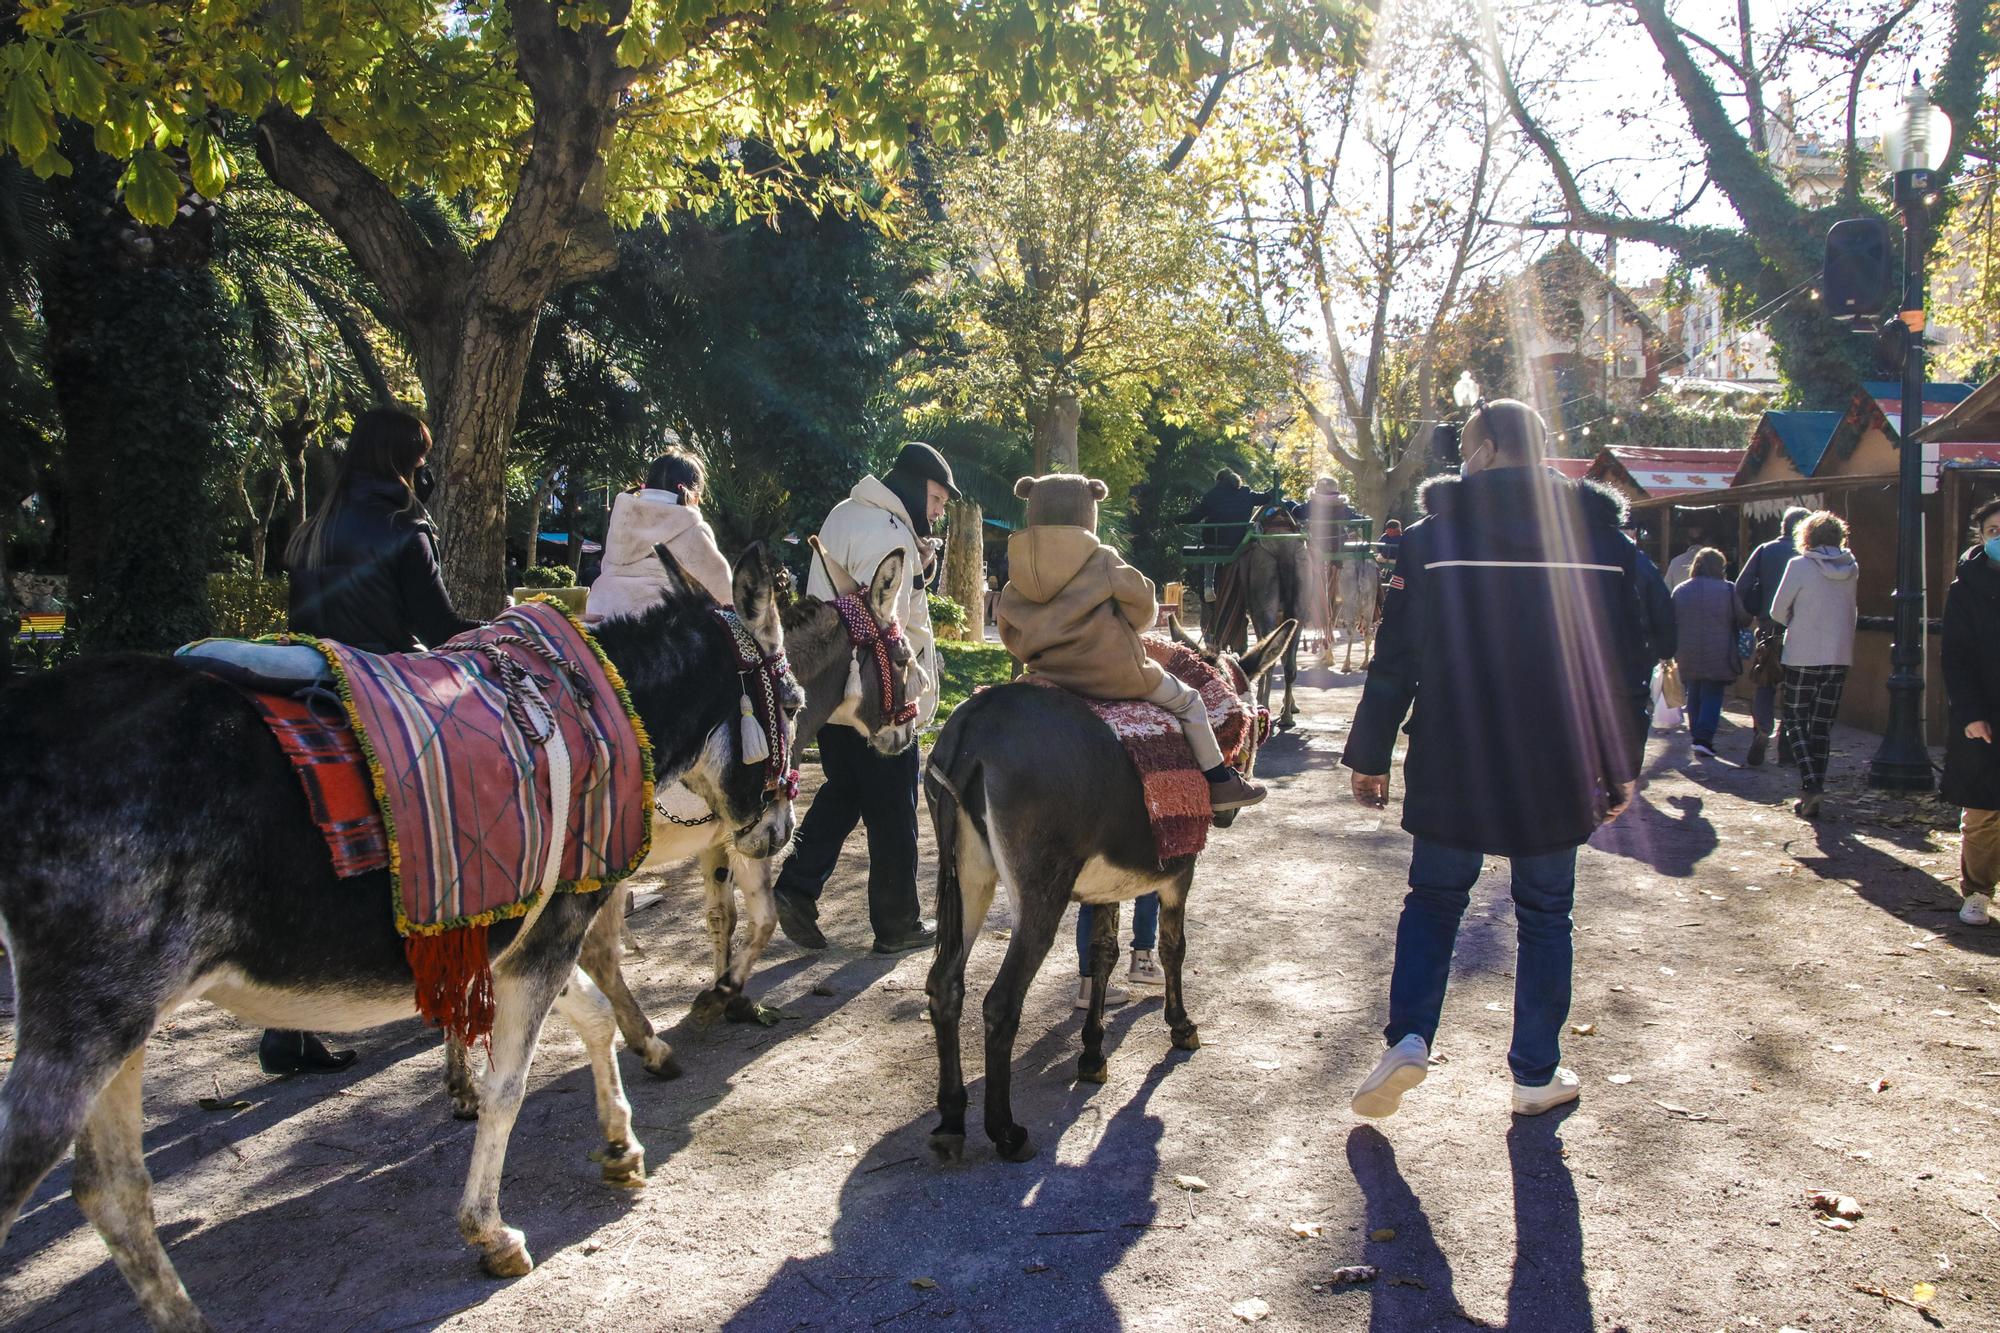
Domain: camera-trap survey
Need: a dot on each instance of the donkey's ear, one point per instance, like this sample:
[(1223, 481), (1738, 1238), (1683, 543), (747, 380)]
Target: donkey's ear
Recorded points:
[(844, 583), (754, 586), (1270, 650), (1180, 635), (678, 579), (882, 589)]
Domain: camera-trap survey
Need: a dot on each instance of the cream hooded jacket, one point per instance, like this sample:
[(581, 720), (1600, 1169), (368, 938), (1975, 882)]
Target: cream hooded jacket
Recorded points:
[(632, 577), (860, 532)]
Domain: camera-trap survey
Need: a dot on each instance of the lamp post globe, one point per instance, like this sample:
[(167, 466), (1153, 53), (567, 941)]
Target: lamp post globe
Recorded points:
[(1466, 392)]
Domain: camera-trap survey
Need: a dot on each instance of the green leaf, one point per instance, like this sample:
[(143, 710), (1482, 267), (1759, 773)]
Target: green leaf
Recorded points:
[(79, 82), (29, 125), (116, 27), (295, 90), (152, 187), (208, 162)]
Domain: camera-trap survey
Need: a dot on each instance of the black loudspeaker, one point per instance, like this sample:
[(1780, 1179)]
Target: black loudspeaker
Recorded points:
[(1860, 273), (1444, 443)]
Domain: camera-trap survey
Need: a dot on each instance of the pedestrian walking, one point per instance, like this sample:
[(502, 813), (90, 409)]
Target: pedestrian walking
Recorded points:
[(1144, 969), (1707, 616), (1757, 584), (1681, 568), (666, 511), (893, 512), (1972, 694), (364, 571), (1657, 638), (1815, 604), (1511, 625)]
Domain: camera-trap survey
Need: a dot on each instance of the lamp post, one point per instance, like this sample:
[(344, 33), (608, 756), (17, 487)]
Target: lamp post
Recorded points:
[(1913, 148), (1465, 393)]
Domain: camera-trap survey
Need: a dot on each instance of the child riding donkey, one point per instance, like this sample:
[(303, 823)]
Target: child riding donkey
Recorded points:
[(1073, 611)]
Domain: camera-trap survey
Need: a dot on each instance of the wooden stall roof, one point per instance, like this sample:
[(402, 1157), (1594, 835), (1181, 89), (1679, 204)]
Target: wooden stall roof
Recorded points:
[(1778, 489)]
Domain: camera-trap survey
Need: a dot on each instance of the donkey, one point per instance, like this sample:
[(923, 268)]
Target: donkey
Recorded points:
[(155, 847), (841, 683), (1052, 830), (1360, 609), (1280, 583)]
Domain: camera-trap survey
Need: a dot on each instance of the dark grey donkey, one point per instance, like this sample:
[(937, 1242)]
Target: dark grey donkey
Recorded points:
[(1029, 788), (1279, 572), (155, 848), (841, 681)]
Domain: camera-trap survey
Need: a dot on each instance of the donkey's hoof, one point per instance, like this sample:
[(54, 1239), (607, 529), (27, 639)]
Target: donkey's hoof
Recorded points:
[(743, 1009), (1287, 722), (506, 1255), (1187, 1038), (624, 1165), (658, 1059), (947, 1148), (1086, 1072), (708, 1006), (1015, 1145), (465, 1106)]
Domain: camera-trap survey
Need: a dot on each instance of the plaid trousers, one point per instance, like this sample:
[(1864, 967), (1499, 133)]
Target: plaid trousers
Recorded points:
[(1812, 698)]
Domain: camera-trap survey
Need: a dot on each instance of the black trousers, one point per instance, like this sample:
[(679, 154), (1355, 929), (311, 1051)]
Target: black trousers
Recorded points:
[(880, 792)]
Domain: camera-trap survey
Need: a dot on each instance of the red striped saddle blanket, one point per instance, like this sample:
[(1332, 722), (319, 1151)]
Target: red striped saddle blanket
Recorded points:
[(1176, 792)]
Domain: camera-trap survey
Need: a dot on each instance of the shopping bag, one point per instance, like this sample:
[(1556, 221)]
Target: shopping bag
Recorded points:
[(1666, 716)]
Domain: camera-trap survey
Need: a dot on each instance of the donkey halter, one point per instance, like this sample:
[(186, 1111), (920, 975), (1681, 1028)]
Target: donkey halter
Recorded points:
[(767, 682), (864, 633)]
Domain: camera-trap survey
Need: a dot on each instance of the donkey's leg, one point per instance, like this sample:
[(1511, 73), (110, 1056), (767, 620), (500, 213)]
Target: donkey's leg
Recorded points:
[(459, 1083), (965, 890), (756, 881), (1090, 1066), (521, 1000), (1173, 949), (1042, 899), (603, 960), (720, 916), (585, 1008), (113, 1190)]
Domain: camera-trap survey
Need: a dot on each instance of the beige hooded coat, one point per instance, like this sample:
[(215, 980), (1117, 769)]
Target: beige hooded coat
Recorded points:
[(1073, 612), (632, 577)]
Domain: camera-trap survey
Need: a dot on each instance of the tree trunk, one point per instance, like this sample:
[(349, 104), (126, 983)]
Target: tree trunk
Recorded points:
[(965, 565), (474, 427), (1055, 434)]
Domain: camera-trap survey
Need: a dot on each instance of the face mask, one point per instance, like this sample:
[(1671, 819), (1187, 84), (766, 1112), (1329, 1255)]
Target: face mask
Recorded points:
[(1992, 548)]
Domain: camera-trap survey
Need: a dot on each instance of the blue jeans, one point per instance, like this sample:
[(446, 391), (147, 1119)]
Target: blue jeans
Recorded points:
[(1145, 928), (1441, 880), (1705, 708)]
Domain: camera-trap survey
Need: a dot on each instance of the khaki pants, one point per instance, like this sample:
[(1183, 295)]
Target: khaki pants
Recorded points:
[(1185, 704), (1979, 851)]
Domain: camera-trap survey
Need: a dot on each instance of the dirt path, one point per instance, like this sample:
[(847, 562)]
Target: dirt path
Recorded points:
[(1754, 978)]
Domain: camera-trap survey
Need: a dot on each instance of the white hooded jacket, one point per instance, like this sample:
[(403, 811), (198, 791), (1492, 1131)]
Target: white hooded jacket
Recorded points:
[(1815, 604), (632, 577), (860, 532)]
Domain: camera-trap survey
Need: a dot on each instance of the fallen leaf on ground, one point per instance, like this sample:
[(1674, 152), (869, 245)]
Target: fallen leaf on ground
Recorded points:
[(1618, 988), (1681, 1111), (1034, 1268), (1357, 1273), (1382, 1233), (924, 1283), (1192, 1184), (822, 989), (1583, 1029), (1307, 1230), (1416, 1282), (1840, 1205), (1251, 1310), (1266, 1065), (217, 1104), (1880, 1085), (1837, 1049), (1495, 1006), (1836, 1224), (1617, 1078), (1923, 1291)]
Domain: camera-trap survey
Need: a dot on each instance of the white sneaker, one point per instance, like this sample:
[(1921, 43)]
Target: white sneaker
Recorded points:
[(1401, 1068), (1533, 1101), (1978, 911), (1145, 970), (1705, 751), (1114, 994)]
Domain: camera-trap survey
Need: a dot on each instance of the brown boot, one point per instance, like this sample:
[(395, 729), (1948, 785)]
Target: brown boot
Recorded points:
[(1233, 793)]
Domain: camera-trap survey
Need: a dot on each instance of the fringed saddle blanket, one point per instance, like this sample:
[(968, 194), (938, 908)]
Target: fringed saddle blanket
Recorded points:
[(340, 794), (1176, 792)]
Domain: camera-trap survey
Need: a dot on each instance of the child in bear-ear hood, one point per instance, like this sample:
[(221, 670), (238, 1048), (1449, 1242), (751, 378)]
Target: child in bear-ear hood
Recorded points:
[(1072, 611)]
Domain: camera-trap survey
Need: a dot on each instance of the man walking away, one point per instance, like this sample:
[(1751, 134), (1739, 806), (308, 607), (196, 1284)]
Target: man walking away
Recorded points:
[(1757, 584), (893, 512), (1509, 624)]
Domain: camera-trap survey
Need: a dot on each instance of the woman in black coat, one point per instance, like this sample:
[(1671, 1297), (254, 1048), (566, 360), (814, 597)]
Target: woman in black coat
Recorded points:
[(1972, 690), (364, 572)]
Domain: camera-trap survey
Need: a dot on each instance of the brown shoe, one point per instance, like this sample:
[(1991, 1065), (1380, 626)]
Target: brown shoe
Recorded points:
[(1233, 793)]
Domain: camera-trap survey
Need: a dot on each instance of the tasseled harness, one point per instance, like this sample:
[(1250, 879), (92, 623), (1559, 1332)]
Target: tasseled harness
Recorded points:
[(768, 689), (864, 633)]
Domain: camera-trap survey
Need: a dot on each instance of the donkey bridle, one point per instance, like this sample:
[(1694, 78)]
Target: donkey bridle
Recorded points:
[(864, 632), (771, 676)]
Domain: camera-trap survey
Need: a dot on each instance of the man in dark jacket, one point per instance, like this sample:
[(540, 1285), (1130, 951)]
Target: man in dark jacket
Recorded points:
[(1971, 661), (1659, 635), (1756, 585), (1229, 503), (1511, 624)]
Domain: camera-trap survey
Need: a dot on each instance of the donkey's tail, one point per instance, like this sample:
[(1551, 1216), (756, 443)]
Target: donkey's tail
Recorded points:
[(949, 782)]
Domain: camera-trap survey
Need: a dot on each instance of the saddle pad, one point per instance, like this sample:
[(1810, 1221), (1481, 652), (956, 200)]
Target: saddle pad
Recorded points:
[(465, 793), (1176, 793), (334, 774)]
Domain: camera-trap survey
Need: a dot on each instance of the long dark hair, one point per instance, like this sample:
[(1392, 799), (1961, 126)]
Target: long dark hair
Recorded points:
[(386, 442), (675, 469)]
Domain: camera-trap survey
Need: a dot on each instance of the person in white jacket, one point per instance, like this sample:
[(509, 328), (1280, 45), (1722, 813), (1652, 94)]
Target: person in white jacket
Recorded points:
[(893, 512), (668, 513), (1815, 603)]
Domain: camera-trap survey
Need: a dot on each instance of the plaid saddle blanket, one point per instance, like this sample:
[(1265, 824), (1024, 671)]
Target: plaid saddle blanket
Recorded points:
[(1176, 792)]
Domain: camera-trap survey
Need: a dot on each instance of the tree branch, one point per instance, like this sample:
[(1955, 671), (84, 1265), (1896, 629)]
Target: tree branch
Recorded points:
[(1200, 121)]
